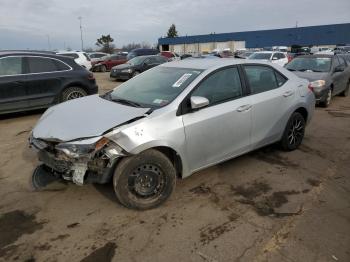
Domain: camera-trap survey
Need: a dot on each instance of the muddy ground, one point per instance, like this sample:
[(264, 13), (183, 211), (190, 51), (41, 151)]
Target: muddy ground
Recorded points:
[(268, 205)]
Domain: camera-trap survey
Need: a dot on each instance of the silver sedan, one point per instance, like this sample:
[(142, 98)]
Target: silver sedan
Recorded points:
[(170, 122)]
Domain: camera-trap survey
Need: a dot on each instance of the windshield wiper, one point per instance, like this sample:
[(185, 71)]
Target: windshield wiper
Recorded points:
[(126, 102), (291, 69)]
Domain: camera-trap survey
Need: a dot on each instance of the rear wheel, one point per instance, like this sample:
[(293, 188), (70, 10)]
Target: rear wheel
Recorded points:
[(72, 93), (294, 132), (145, 180), (346, 91)]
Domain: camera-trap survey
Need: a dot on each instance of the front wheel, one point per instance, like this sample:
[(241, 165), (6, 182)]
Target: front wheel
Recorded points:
[(145, 180), (294, 132)]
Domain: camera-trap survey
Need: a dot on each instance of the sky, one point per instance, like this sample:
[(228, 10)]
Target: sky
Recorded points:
[(40, 24)]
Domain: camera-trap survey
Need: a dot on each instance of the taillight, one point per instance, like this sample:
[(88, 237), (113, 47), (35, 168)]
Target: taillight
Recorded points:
[(91, 76)]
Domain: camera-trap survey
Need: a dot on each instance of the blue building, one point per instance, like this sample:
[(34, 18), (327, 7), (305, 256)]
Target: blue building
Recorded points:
[(305, 36)]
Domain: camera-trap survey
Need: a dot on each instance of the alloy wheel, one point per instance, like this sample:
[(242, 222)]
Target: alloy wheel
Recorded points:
[(74, 95), (296, 132)]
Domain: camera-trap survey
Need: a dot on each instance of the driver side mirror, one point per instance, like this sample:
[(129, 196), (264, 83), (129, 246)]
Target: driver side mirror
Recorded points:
[(199, 102)]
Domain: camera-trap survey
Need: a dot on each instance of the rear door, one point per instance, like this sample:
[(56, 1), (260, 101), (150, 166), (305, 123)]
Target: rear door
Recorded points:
[(12, 84), (222, 129), (44, 81), (272, 97)]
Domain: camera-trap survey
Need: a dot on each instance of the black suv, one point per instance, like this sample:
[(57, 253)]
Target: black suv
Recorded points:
[(31, 80)]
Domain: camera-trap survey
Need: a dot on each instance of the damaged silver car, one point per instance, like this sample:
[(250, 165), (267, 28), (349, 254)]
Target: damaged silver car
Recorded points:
[(170, 122)]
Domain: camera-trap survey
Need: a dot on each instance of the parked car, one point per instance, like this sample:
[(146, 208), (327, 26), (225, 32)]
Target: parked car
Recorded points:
[(342, 49), (136, 66), (81, 58), (184, 56), (141, 52), (278, 58), (169, 122), (30, 80), (329, 75), (96, 55), (172, 56), (243, 54), (107, 62)]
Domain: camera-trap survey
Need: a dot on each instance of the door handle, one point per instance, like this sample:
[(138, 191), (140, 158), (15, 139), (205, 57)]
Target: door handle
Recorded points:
[(288, 93), (244, 108)]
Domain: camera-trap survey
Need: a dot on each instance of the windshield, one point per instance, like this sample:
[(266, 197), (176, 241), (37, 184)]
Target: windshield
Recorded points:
[(265, 56), (315, 64), (156, 87), (137, 60)]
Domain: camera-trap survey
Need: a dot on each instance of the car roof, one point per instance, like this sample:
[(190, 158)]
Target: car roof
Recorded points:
[(70, 52), (29, 53), (268, 52), (317, 55), (207, 63)]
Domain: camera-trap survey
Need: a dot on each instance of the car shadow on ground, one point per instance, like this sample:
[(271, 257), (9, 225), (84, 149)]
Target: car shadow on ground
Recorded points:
[(22, 114)]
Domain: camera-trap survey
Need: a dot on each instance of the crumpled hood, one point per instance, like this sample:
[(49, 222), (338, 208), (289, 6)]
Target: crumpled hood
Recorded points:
[(311, 76), (84, 117)]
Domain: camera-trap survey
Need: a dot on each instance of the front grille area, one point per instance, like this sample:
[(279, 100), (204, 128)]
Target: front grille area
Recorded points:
[(51, 161)]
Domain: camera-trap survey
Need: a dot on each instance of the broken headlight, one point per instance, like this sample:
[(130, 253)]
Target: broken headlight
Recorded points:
[(82, 148)]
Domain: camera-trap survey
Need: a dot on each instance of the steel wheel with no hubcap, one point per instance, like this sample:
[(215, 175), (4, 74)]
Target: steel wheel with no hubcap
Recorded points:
[(146, 181)]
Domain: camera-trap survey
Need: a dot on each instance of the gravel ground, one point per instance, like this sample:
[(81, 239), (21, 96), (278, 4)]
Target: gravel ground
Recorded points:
[(268, 205)]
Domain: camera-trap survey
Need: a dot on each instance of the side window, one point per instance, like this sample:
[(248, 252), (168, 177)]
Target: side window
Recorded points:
[(61, 66), (335, 62), (220, 86), (114, 57), (280, 79), (260, 78), (41, 65), (160, 59), (11, 65), (275, 56), (342, 61)]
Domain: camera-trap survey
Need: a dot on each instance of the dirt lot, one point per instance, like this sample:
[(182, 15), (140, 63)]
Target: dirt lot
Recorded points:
[(268, 205)]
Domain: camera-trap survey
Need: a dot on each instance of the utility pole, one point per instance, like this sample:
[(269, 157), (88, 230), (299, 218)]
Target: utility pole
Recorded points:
[(296, 24), (81, 34), (48, 42)]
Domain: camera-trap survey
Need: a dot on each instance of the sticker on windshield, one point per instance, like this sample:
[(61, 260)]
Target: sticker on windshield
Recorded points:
[(160, 101), (181, 80)]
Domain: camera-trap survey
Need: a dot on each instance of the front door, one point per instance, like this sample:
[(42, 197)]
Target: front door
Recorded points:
[(222, 129)]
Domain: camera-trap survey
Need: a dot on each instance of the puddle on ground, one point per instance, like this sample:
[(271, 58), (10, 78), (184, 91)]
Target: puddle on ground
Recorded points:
[(105, 253), (16, 223), (264, 205)]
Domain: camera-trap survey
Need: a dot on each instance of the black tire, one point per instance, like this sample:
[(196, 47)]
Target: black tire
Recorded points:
[(346, 91), (144, 181), (72, 93), (327, 100), (294, 132), (103, 68)]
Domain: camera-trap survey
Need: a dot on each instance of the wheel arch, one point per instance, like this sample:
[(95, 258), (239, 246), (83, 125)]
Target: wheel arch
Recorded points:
[(71, 84), (303, 111)]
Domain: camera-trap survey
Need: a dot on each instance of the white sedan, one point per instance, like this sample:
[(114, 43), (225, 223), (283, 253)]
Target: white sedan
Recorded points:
[(278, 58)]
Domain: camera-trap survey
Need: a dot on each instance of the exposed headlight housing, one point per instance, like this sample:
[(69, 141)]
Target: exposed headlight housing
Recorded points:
[(317, 85), (82, 148)]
